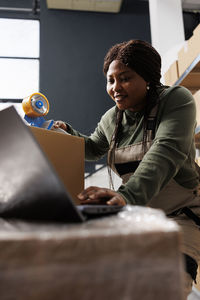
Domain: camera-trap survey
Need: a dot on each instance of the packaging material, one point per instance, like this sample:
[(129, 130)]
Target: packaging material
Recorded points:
[(66, 154), (189, 51), (132, 255), (172, 74)]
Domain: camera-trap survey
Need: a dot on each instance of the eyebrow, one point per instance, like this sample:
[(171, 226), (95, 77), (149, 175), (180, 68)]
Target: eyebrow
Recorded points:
[(122, 73)]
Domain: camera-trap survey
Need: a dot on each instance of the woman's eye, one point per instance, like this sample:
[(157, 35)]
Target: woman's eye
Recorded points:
[(110, 81), (125, 79)]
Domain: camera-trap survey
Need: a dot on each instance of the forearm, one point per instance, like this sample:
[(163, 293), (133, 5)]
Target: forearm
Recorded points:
[(95, 145)]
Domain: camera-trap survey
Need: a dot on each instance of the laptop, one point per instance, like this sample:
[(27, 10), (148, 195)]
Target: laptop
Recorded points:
[(30, 189)]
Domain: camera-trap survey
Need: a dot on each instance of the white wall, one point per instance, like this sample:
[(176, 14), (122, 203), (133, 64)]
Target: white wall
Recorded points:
[(167, 29)]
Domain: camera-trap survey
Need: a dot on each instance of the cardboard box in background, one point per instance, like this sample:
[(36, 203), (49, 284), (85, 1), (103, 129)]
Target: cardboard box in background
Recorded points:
[(87, 5), (184, 59), (197, 135), (196, 31), (66, 154), (189, 51), (197, 285), (197, 102), (172, 74)]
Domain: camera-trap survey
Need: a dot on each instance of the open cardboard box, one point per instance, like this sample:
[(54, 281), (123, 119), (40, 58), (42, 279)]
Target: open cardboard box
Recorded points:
[(66, 154)]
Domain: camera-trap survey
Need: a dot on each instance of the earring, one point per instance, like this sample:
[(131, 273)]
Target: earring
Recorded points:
[(148, 87)]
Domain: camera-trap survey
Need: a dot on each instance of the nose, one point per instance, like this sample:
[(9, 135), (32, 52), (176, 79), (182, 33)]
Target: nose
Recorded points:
[(117, 86)]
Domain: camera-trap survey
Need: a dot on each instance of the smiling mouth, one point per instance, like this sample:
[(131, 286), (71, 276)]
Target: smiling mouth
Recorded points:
[(120, 98)]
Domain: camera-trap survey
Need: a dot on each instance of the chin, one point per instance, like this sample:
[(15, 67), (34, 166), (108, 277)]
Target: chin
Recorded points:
[(121, 107)]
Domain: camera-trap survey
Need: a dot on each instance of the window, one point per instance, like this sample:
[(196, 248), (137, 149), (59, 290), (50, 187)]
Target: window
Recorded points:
[(19, 61)]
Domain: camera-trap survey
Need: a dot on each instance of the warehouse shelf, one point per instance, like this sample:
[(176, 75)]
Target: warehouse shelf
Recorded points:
[(191, 77)]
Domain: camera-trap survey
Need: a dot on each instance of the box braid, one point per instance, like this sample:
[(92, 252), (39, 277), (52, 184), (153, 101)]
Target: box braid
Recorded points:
[(141, 57)]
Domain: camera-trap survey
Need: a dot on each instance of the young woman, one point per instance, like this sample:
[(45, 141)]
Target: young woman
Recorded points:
[(149, 138)]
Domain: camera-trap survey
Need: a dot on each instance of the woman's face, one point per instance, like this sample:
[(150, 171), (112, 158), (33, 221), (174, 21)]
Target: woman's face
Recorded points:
[(126, 87)]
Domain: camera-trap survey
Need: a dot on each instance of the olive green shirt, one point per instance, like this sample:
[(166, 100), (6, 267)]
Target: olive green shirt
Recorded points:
[(171, 155)]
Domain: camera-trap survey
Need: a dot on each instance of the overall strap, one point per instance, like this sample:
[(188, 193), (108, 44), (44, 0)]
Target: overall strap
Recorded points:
[(190, 214), (151, 122), (191, 266)]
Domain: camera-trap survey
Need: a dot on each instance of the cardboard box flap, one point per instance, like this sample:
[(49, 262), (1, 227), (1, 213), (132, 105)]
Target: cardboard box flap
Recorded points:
[(66, 154)]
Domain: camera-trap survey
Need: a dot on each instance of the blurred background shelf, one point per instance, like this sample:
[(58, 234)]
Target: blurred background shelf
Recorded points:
[(191, 77)]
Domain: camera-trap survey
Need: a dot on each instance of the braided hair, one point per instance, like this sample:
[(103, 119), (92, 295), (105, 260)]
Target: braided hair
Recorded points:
[(141, 57)]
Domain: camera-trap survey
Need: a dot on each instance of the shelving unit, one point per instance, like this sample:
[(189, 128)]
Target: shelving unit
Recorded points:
[(191, 77), (86, 5), (191, 80)]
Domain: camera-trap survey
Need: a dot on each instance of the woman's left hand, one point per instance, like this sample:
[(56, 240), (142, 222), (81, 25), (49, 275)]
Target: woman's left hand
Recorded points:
[(97, 195)]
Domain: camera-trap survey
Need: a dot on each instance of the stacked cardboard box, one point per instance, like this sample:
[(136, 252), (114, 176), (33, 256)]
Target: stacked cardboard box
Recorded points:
[(186, 56), (197, 142), (172, 75), (88, 5), (197, 285), (190, 51), (197, 135), (197, 101)]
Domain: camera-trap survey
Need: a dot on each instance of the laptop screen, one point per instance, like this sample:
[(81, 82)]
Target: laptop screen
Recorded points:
[(30, 188)]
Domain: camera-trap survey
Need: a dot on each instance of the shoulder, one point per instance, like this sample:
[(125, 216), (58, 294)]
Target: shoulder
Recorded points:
[(176, 92), (108, 119), (109, 115), (177, 103), (176, 96), (110, 112)]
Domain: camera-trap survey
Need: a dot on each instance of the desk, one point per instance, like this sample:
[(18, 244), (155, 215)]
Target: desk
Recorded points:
[(132, 255)]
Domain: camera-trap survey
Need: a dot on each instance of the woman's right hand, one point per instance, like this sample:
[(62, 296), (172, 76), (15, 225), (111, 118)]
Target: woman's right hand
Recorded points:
[(60, 124)]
